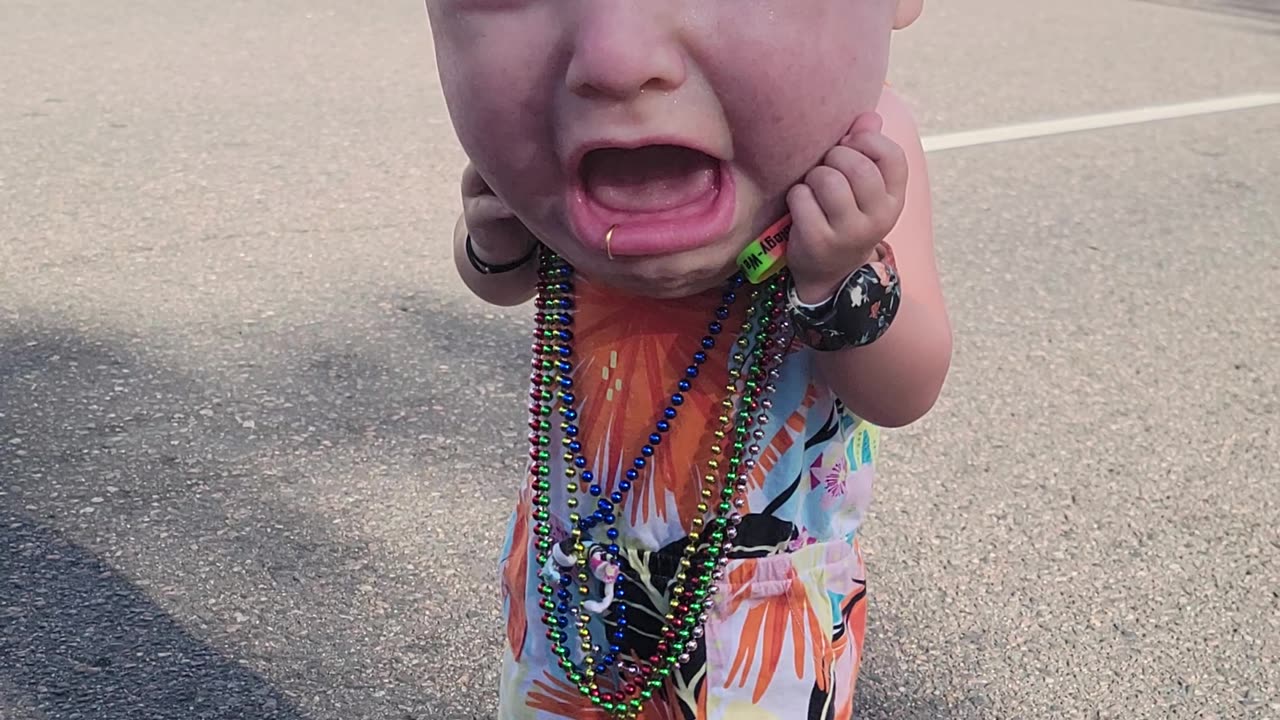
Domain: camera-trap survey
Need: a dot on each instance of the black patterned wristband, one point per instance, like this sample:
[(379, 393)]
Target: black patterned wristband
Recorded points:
[(485, 268), (858, 314)]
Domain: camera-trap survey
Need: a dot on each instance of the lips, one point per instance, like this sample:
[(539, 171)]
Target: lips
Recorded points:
[(658, 198)]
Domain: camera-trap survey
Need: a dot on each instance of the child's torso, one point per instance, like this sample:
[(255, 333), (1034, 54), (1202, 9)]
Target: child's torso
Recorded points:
[(812, 481)]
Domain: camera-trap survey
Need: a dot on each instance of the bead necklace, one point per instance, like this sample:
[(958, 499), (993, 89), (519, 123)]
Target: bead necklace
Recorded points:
[(757, 354)]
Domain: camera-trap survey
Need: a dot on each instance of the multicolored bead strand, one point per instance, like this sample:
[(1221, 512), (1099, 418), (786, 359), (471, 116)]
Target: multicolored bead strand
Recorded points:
[(733, 455), (556, 360)]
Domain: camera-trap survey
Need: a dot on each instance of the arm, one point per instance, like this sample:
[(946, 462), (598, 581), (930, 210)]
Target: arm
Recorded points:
[(497, 238), (896, 380), (506, 289)]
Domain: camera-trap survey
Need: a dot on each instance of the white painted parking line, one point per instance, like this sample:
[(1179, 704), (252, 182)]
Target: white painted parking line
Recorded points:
[(1024, 131)]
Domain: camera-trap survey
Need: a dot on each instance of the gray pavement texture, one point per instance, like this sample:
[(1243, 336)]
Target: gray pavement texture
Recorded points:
[(257, 444)]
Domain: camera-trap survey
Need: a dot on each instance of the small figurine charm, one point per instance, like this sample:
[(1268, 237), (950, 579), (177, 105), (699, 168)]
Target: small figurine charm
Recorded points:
[(599, 565)]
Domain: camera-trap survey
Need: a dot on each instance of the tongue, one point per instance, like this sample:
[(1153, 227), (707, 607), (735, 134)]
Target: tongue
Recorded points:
[(648, 179)]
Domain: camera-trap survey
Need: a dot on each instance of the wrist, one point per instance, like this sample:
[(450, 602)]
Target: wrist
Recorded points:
[(856, 313), (486, 262), (815, 292), (819, 290)]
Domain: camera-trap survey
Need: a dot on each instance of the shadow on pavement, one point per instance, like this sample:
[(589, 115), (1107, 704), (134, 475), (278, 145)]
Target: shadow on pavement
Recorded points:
[(1265, 11), (152, 565), (84, 642)]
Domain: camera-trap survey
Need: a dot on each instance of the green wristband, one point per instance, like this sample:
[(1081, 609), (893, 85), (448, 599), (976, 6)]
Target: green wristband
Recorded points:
[(767, 254)]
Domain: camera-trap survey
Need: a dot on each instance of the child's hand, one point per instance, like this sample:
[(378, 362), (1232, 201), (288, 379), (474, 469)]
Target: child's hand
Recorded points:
[(497, 237), (844, 208)]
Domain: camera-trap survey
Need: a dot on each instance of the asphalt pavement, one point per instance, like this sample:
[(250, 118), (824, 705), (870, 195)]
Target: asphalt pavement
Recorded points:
[(257, 444)]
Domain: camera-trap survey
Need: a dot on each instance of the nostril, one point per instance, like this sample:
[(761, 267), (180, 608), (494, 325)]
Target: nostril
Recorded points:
[(660, 84), (621, 65)]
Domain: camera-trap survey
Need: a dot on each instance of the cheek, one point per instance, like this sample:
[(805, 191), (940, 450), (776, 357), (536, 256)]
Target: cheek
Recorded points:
[(499, 96), (786, 113), (502, 134)]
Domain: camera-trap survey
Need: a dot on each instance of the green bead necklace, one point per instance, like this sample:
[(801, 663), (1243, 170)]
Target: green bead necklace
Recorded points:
[(758, 351)]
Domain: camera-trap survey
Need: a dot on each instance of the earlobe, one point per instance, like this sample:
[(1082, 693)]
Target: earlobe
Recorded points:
[(907, 13)]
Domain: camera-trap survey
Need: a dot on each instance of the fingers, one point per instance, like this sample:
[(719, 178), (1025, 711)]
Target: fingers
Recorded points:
[(808, 219), (867, 123), (834, 194), (486, 207), (863, 179), (852, 193), (889, 158), (478, 199), (472, 184), (846, 205)]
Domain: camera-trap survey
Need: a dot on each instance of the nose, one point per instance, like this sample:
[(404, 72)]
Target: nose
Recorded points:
[(625, 47)]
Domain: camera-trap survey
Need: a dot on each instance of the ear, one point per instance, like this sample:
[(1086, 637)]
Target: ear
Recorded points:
[(907, 13)]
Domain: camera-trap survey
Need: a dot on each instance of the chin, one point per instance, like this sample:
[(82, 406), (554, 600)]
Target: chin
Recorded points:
[(662, 277)]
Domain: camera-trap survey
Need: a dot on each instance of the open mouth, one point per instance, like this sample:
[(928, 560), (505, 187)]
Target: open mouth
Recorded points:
[(649, 180), (655, 199)]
